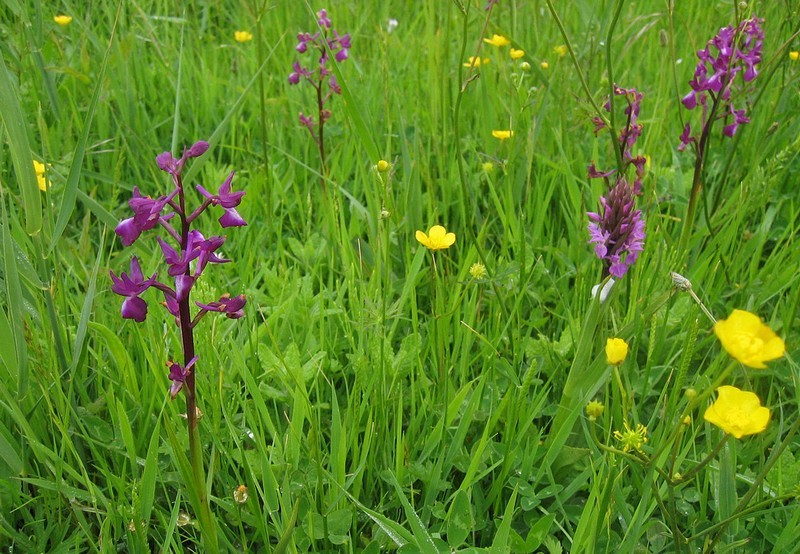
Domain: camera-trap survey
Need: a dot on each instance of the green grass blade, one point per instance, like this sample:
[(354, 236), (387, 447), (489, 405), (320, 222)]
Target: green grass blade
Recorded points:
[(106, 217), (16, 129), (422, 538), (86, 312), (8, 453), (501, 539), (14, 300), (148, 484), (74, 176), (189, 174)]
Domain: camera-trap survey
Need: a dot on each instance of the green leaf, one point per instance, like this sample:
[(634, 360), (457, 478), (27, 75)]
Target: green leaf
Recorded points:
[(14, 299), (8, 350), (460, 520), (12, 117), (422, 539), (148, 486), (8, 452), (86, 311), (501, 543), (74, 176)]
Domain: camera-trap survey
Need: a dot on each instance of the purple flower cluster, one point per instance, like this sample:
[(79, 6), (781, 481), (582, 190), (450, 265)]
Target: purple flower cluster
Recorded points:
[(186, 262), (732, 51), (628, 136), (617, 230), (326, 42)]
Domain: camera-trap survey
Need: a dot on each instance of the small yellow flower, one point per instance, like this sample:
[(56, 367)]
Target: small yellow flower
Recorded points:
[(497, 40), (616, 351), (63, 20), (745, 337), (794, 56), (594, 409), (476, 62), (240, 494), (42, 181), (687, 420), (502, 135), (477, 270), (632, 439), (737, 412), (382, 166), (561, 50), (437, 238), (243, 36), (516, 54), (487, 166), (544, 65)]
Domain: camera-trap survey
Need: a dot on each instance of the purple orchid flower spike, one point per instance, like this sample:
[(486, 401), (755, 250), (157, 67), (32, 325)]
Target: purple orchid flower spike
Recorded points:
[(618, 231), (328, 46), (131, 286), (178, 375), (231, 307), (187, 253)]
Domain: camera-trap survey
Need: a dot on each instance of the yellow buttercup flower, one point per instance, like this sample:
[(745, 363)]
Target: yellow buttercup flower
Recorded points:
[(476, 62), (544, 65), (561, 50), (41, 180), (382, 166), (794, 56), (437, 238), (737, 412), (516, 54), (745, 337), (502, 135), (497, 40), (616, 351), (63, 20), (487, 166), (243, 36)]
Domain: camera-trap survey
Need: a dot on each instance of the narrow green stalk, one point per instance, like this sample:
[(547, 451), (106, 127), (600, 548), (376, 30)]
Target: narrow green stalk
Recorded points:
[(584, 84), (610, 69), (756, 486)]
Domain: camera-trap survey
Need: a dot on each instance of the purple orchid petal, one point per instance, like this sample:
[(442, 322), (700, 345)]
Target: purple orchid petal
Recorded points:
[(231, 218)]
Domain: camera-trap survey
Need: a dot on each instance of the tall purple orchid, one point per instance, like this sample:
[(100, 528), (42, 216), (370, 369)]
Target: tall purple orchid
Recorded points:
[(187, 252), (323, 43), (186, 260), (714, 87), (617, 229)]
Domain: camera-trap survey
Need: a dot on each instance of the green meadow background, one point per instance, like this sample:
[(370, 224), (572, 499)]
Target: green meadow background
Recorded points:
[(369, 400)]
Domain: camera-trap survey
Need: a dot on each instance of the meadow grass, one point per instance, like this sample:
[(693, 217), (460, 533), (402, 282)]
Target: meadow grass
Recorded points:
[(377, 395)]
